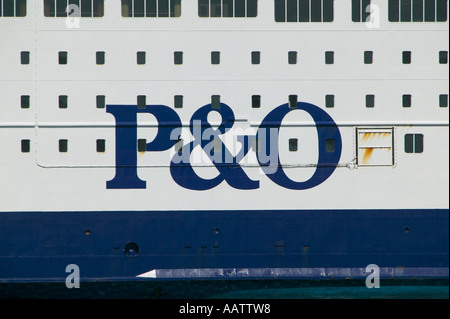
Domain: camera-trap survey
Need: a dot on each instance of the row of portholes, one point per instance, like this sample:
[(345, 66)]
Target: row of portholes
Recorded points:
[(141, 101), (178, 57)]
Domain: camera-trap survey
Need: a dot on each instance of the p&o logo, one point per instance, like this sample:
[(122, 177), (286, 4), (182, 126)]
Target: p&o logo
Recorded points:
[(206, 136)]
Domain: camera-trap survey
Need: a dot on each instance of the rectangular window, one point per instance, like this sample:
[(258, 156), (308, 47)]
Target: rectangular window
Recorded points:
[(368, 57), (25, 57), (178, 57), (74, 8), (330, 145), (293, 145), (329, 57), (227, 8), (100, 57), (63, 101), (25, 101), (25, 146), (414, 143), (329, 101), (62, 57), (304, 10), (256, 101), (256, 57), (63, 146), (443, 57), (407, 100), (101, 101), (215, 101), (292, 57), (101, 146), (215, 57), (293, 101), (370, 100), (13, 8), (417, 10), (141, 101), (142, 145), (406, 57), (140, 57), (178, 101), (443, 100), (360, 10)]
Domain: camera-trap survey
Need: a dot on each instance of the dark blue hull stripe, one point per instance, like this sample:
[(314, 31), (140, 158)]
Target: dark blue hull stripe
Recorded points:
[(38, 246)]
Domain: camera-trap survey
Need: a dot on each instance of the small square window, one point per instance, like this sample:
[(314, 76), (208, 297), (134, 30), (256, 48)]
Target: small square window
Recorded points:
[(63, 101), (25, 57), (414, 143), (256, 57), (329, 101), (25, 101), (443, 57), (292, 57), (329, 57), (63, 146), (178, 57), (140, 57), (368, 57), (443, 100), (406, 100), (370, 100), (256, 101), (215, 57), (100, 57), (293, 101), (215, 101), (62, 57), (142, 145), (178, 100), (406, 57), (101, 101), (330, 145), (141, 101), (25, 146), (293, 145), (101, 146)]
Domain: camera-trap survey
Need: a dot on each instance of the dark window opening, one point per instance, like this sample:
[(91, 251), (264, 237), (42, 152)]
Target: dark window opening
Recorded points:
[(417, 10), (293, 101), (25, 101), (178, 100), (370, 100), (13, 8), (329, 101), (228, 8), (74, 8), (330, 145), (100, 57), (101, 146), (414, 143), (256, 101), (62, 57), (215, 57), (101, 101), (406, 56), (141, 101), (25, 57), (25, 146), (215, 101), (360, 10), (141, 57), (63, 146), (142, 145), (293, 145), (443, 57), (443, 100), (406, 100), (256, 57), (329, 57), (178, 58), (368, 57), (292, 57), (63, 101), (304, 10)]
